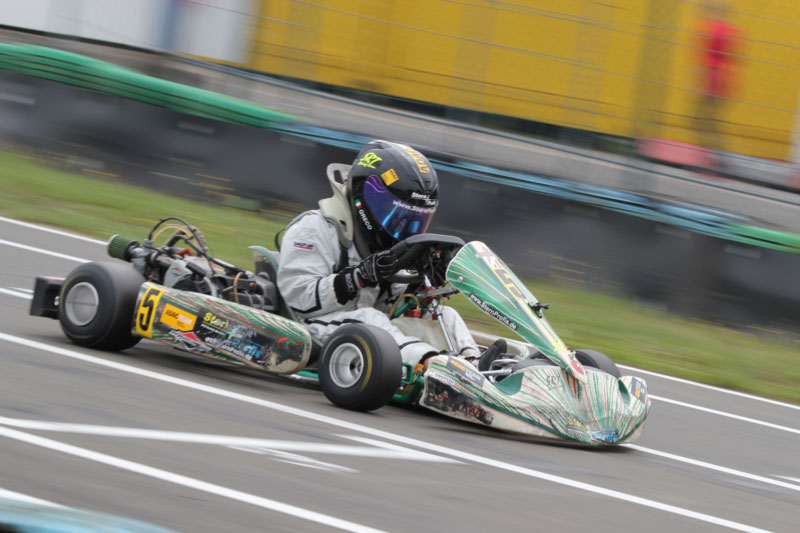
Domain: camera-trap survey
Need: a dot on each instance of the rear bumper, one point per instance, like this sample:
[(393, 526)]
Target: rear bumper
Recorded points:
[(45, 296)]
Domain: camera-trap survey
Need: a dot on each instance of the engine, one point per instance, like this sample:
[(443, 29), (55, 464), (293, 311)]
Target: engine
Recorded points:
[(180, 276), (196, 271)]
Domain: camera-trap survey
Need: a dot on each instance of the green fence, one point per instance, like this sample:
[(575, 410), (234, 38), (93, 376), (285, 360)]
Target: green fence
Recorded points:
[(109, 78)]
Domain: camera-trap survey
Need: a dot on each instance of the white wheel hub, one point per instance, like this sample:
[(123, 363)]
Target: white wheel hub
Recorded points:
[(346, 365), (81, 303)]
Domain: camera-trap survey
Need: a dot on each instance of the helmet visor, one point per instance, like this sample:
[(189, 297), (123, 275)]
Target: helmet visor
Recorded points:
[(400, 219)]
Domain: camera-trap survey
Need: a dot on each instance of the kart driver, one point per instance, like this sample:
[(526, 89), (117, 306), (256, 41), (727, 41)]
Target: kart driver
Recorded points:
[(335, 261)]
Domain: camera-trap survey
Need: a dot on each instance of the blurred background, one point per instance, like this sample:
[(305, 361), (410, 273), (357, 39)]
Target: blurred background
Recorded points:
[(647, 148), (600, 74)]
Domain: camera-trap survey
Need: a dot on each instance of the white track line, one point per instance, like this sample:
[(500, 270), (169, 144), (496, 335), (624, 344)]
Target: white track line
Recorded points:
[(664, 376), (376, 449), (185, 481), (9, 292), (712, 466), (51, 230), (18, 496), (712, 387), (728, 415), (791, 478), (464, 456), (42, 251)]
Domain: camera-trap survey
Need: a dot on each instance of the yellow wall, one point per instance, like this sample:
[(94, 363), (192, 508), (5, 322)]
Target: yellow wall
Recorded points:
[(577, 63)]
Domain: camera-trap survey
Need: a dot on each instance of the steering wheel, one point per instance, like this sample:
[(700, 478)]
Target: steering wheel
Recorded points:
[(408, 253)]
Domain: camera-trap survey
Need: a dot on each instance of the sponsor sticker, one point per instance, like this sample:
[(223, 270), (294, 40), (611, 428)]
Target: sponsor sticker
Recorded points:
[(575, 427), (369, 160), (239, 347), (177, 318), (147, 311), (303, 245), (552, 382), (422, 165), (639, 389), (233, 339), (441, 377), (214, 321), (605, 435), (189, 341), (362, 214), (415, 208), (466, 372), (492, 312), (444, 398), (389, 177), (425, 197)]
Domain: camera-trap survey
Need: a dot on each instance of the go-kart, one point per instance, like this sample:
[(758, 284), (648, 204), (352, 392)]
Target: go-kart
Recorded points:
[(178, 294)]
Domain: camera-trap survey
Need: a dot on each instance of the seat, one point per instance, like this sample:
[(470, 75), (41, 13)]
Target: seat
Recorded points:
[(266, 265)]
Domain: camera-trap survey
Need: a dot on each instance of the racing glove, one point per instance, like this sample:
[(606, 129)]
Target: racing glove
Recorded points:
[(376, 268), (372, 270)]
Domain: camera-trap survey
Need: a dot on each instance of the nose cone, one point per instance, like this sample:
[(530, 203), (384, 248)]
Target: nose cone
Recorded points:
[(604, 410)]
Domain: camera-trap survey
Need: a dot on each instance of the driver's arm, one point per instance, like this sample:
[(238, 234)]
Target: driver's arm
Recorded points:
[(309, 253)]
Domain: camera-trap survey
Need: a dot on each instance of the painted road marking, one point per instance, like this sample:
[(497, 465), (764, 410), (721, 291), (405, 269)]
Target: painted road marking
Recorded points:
[(791, 478), (430, 447), (41, 251), (51, 230), (374, 449), (711, 466), (16, 293), (664, 376), (185, 481), (297, 460), (18, 496), (723, 413), (712, 387)]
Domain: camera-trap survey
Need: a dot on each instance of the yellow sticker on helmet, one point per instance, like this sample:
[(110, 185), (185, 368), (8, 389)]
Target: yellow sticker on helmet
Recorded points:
[(418, 159), (390, 176), (369, 160)]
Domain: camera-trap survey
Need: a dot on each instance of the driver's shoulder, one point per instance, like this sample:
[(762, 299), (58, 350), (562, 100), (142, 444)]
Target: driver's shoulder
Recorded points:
[(312, 228), (313, 219)]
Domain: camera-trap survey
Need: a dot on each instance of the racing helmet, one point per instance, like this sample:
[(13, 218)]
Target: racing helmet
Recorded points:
[(393, 193)]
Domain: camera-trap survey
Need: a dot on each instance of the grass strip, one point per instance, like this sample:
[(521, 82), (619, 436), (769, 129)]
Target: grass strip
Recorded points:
[(749, 361)]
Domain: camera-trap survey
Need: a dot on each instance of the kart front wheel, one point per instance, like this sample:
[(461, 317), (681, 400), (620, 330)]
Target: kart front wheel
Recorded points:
[(97, 303), (599, 360), (360, 367)]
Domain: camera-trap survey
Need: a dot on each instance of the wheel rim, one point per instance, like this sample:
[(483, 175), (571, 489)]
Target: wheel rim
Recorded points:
[(81, 303), (346, 365)]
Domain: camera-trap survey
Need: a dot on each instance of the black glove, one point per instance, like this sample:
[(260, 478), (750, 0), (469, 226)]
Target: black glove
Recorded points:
[(377, 267), (369, 272)]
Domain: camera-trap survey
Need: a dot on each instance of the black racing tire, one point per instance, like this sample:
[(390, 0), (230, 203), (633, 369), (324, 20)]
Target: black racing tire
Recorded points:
[(599, 360), (360, 367), (526, 363), (97, 304)]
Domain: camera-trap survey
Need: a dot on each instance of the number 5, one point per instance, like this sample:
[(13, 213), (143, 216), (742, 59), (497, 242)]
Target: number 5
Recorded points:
[(147, 309)]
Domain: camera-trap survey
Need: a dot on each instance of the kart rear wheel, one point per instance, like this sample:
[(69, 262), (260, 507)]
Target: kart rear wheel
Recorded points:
[(599, 360), (97, 304), (360, 367)]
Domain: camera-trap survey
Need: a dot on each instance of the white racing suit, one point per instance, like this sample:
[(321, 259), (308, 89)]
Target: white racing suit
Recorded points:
[(311, 256)]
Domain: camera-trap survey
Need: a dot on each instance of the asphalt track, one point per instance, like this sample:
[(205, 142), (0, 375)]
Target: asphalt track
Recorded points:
[(194, 445)]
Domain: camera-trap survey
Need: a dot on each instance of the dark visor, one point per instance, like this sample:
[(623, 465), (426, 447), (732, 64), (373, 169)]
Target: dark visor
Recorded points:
[(400, 219)]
